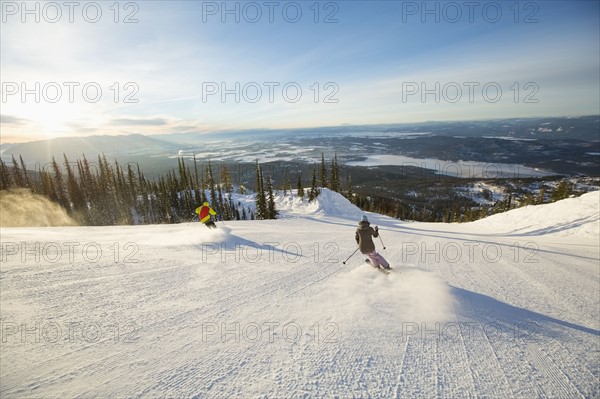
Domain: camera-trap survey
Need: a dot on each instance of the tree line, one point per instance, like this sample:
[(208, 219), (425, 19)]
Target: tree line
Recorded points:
[(104, 193)]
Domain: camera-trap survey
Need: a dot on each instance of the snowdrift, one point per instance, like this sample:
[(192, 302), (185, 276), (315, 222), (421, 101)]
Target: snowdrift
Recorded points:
[(569, 217), (328, 203)]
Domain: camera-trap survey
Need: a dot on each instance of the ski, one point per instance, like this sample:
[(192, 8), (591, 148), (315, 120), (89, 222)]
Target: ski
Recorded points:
[(384, 271)]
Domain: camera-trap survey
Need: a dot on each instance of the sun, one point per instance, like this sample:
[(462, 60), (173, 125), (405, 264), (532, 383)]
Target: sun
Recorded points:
[(52, 121), (49, 120)]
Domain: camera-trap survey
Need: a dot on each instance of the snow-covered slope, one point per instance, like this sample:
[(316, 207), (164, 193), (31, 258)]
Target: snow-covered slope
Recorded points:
[(573, 216), (328, 203), (268, 309)]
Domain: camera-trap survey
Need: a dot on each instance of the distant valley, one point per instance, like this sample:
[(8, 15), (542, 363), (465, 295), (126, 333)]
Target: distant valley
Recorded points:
[(427, 165)]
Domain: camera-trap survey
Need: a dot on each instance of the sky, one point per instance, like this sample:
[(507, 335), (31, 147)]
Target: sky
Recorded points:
[(153, 67)]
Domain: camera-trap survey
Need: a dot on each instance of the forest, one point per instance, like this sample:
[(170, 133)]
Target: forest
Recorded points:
[(108, 193)]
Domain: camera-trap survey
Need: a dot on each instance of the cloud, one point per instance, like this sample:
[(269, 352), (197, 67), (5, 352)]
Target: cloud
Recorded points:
[(367, 55), (12, 120), (187, 128), (82, 129), (138, 122)]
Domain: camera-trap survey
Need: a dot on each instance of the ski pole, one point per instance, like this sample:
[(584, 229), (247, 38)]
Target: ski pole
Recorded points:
[(381, 239), (344, 262)]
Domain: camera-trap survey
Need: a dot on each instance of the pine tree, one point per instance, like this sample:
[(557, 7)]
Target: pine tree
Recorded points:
[(528, 199), (226, 179), (202, 197), (261, 201), (182, 173), (562, 191), (6, 181), (469, 215), (132, 184), (272, 212), (59, 186), (299, 186), (540, 198), (314, 191), (26, 180), (74, 191), (335, 175), (211, 187), (89, 187), (17, 176), (123, 204), (48, 188), (235, 212), (224, 214), (106, 193), (323, 172)]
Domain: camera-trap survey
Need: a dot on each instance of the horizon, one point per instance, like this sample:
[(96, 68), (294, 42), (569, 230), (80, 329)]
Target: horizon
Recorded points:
[(265, 129), (159, 68)]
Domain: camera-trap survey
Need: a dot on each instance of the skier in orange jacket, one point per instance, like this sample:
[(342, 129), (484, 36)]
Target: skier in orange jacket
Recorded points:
[(204, 213)]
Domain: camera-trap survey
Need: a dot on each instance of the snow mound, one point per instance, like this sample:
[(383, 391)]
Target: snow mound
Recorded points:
[(328, 203), (569, 217)]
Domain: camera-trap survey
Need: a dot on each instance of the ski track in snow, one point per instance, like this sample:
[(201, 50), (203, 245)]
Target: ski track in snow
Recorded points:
[(199, 320)]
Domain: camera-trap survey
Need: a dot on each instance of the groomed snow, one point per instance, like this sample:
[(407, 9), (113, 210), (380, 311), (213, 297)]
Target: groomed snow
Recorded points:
[(571, 217), (501, 308)]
